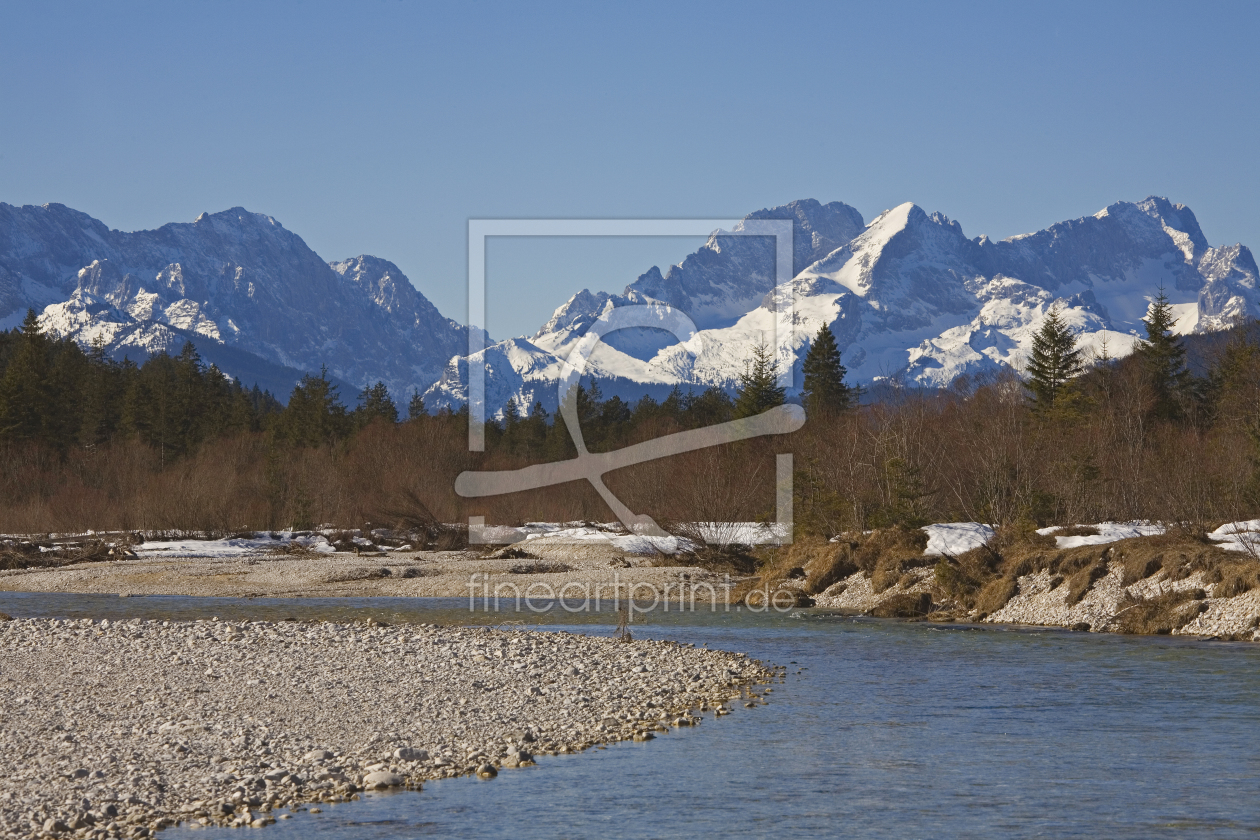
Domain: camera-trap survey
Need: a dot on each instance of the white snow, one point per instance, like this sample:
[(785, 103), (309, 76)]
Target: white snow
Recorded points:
[(1108, 532), (954, 538), (229, 547), (629, 543), (717, 533), (1238, 536)]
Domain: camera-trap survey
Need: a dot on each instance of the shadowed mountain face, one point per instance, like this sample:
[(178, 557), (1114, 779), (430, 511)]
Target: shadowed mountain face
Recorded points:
[(233, 278)]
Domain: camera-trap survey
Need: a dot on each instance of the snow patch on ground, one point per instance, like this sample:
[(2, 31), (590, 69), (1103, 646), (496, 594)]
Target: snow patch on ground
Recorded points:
[(231, 546), (1238, 536), (1108, 532), (713, 533), (629, 543), (954, 538)]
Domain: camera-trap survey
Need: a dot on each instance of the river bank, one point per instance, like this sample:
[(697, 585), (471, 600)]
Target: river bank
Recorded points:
[(1152, 585), (118, 729), (549, 564)]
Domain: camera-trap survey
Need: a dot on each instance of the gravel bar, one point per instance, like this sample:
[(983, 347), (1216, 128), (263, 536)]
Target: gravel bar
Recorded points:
[(119, 729)]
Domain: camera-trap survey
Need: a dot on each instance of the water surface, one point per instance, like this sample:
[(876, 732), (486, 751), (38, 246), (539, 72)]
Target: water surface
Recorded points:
[(882, 729)]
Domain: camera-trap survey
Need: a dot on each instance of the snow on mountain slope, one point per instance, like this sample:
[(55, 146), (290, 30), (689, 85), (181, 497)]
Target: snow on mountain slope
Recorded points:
[(234, 278), (907, 296), (727, 277), (716, 286)]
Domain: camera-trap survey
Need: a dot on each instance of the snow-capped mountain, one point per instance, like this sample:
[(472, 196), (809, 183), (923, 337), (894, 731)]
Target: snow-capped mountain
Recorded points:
[(907, 296), (232, 279)]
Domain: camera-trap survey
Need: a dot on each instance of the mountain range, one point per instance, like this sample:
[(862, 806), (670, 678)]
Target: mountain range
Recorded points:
[(908, 296), (232, 280)]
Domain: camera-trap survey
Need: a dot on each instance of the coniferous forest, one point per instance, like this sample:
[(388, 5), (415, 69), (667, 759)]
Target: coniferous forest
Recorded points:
[(1170, 433)]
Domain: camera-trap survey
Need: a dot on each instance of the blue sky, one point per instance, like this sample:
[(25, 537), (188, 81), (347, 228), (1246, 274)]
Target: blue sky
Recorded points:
[(381, 127)]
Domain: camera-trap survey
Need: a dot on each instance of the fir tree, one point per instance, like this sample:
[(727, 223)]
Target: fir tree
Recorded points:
[(673, 406), (101, 393), (759, 389), (315, 414), (26, 402), (415, 408), (511, 414), (1164, 357), (262, 402), (1055, 359), (712, 406), (824, 388), (375, 404)]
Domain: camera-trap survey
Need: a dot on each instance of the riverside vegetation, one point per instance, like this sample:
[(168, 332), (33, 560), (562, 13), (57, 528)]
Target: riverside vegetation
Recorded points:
[(1169, 434)]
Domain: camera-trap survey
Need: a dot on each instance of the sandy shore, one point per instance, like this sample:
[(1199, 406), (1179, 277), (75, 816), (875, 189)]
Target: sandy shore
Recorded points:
[(120, 729), (447, 574)]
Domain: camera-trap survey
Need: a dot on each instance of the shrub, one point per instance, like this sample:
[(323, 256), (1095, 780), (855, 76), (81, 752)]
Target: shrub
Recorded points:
[(996, 594), (1162, 614), (892, 544), (907, 605)]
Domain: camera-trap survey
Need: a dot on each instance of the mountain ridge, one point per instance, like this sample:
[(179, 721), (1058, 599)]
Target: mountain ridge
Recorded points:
[(909, 296), (236, 278)]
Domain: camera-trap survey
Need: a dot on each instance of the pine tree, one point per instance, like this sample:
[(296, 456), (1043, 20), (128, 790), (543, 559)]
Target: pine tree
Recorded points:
[(1164, 357), (511, 414), (1055, 359), (101, 390), (375, 404), (824, 388), (67, 372), (673, 406), (709, 408), (759, 389), (26, 401), (315, 414), (193, 403), (415, 408)]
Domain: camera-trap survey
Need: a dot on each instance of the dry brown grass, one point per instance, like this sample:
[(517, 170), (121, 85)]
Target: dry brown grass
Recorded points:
[(905, 605), (995, 594), (888, 554), (1180, 556), (1234, 582), (824, 563), (290, 549), (732, 560), (1076, 531), (1089, 573), (891, 544), (1162, 614)]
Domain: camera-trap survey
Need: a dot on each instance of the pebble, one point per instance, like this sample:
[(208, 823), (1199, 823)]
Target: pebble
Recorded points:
[(120, 728), (382, 779)]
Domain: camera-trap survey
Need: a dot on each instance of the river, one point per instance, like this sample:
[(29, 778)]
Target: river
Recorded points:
[(881, 729)]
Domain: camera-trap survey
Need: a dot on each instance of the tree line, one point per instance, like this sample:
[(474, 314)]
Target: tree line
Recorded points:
[(86, 441)]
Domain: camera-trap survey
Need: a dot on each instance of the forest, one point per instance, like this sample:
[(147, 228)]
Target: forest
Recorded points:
[(1169, 433)]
